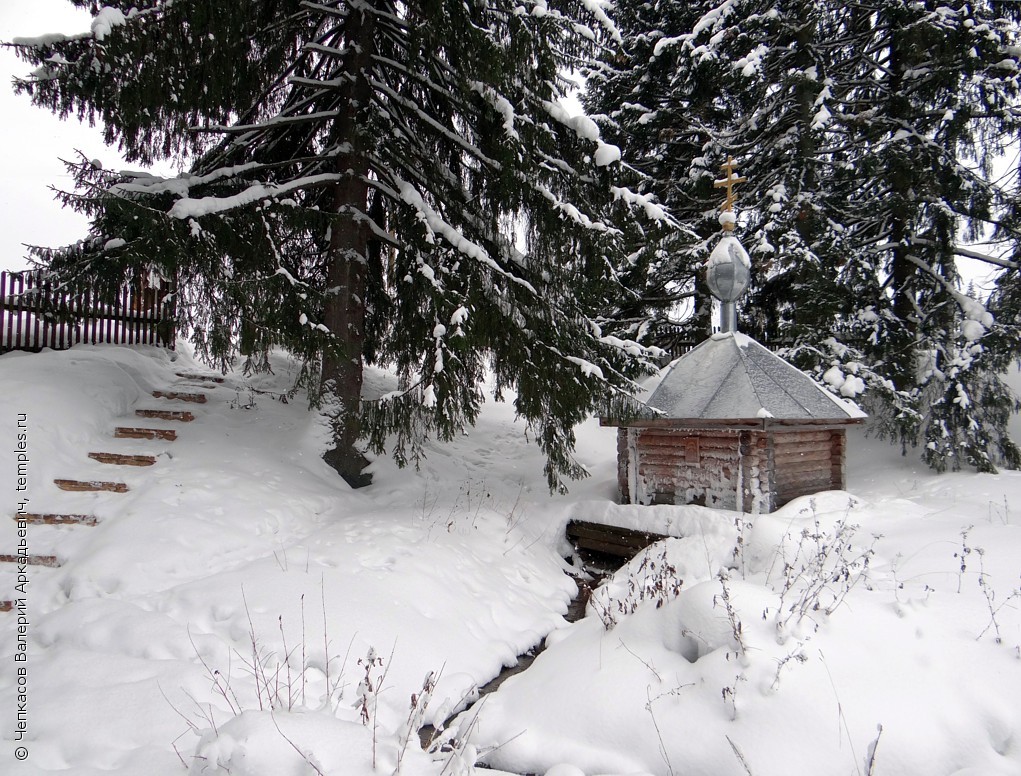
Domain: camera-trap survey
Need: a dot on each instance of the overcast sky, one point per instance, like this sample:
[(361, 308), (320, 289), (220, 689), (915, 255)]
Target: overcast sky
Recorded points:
[(33, 141)]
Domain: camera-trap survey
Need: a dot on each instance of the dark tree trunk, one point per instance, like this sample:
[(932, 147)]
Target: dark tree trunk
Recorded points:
[(900, 349), (344, 315)]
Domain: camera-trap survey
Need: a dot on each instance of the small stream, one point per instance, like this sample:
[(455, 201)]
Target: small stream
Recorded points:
[(575, 612)]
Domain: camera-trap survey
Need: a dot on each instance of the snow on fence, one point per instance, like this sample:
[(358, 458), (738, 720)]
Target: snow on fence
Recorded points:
[(37, 312)]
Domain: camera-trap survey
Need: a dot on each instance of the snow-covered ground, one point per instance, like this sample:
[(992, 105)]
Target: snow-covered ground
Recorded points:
[(224, 614)]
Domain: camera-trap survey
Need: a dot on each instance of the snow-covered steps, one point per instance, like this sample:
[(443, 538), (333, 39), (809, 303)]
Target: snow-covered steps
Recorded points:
[(50, 561), (121, 459), (91, 486), (193, 376), (196, 398), (127, 432), (54, 519), (180, 415)]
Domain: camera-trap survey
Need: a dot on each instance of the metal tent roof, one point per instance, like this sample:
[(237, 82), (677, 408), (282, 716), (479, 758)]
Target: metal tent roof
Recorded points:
[(732, 377)]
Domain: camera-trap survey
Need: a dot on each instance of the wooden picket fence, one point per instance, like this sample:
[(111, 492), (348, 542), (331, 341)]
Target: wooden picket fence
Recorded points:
[(37, 312)]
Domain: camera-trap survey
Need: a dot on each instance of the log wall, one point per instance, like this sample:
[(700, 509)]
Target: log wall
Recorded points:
[(808, 462), (754, 471)]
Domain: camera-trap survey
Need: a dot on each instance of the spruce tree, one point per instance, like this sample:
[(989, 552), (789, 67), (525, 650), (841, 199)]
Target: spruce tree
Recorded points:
[(925, 107), (379, 182), (867, 133)]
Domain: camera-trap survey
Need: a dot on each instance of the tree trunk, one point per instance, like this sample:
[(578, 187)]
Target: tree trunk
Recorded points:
[(901, 346), (344, 313)]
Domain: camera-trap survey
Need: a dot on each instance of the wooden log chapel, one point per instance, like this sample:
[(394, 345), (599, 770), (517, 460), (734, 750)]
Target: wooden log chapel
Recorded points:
[(731, 425)]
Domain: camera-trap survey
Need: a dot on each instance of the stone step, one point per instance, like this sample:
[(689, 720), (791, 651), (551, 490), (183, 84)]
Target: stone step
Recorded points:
[(91, 485), (126, 432), (196, 398), (123, 460), (50, 561), (182, 415), (40, 519)]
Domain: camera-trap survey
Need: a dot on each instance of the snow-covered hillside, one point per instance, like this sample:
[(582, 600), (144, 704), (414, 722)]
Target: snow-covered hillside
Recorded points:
[(224, 613)]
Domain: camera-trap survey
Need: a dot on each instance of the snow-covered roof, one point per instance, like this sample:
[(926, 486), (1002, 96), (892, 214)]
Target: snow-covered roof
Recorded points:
[(730, 376)]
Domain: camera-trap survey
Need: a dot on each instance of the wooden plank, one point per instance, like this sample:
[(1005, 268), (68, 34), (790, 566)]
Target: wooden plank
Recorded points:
[(64, 341), (791, 490), (123, 460), (664, 456), (655, 436), (93, 334), (19, 309), (611, 540), (79, 327), (46, 519), (111, 333), (180, 415), (795, 468), (821, 457), (703, 472), (126, 432), (192, 376), (788, 448), (33, 305), (130, 329), (819, 471), (711, 446), (197, 398), (42, 289), (91, 485), (6, 319), (50, 561), (628, 536)]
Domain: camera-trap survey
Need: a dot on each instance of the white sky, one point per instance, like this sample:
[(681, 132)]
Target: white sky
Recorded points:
[(34, 140)]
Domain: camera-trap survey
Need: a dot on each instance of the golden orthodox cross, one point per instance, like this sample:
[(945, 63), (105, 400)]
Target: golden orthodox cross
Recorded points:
[(728, 184)]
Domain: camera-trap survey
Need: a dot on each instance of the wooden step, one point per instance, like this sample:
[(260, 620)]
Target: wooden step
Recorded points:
[(126, 432), (124, 460), (50, 561), (35, 519), (196, 398), (92, 485), (188, 376), (182, 415)]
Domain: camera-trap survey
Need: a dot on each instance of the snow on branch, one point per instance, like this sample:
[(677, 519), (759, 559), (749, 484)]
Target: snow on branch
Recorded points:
[(586, 129), (427, 119), (410, 195), (103, 24), (709, 21), (969, 254), (276, 121), (645, 201), (977, 319), (145, 183), (195, 208), (574, 213), (500, 104), (50, 39), (598, 9)]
